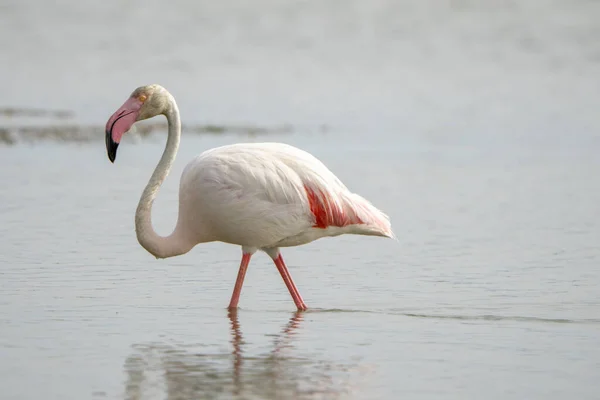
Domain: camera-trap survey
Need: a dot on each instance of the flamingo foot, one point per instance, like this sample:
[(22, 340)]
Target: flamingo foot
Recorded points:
[(289, 282), (237, 290)]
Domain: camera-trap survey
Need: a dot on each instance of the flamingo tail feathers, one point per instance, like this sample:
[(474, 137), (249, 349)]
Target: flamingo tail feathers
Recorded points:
[(373, 219)]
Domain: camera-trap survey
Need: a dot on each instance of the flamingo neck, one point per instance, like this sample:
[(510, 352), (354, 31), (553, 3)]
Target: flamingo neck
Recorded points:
[(174, 244)]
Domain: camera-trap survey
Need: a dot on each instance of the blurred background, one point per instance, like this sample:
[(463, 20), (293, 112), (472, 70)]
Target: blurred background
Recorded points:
[(501, 71), (474, 125)]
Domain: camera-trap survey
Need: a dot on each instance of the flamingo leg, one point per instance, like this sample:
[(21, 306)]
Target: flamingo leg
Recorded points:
[(237, 290), (289, 282)]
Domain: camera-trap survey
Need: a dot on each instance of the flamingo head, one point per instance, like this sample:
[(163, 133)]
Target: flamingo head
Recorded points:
[(145, 102)]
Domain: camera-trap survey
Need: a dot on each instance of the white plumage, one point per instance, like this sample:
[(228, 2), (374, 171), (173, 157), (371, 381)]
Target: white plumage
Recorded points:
[(256, 195)]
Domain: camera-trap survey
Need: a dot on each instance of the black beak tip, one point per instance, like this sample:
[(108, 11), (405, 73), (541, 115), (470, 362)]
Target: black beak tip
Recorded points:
[(111, 147)]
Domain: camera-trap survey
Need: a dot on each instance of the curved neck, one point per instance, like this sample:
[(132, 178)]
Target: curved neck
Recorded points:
[(172, 245)]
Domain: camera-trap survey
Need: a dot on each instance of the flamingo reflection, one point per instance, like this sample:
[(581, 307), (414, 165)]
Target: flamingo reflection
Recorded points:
[(237, 341), (178, 372)]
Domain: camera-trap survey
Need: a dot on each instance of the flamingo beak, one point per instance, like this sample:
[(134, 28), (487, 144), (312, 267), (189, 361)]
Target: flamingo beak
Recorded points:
[(119, 123)]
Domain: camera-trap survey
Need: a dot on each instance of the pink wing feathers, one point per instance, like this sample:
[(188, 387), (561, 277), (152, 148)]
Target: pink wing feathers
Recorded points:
[(329, 200), (341, 208)]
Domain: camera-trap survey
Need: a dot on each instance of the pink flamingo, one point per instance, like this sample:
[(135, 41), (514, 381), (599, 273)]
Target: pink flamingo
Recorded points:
[(261, 196)]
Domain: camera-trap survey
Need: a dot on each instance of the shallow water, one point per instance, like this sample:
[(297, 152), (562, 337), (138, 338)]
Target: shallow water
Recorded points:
[(474, 127), (491, 290)]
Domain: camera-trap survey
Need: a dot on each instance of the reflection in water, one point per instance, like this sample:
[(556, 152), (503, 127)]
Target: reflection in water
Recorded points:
[(176, 373)]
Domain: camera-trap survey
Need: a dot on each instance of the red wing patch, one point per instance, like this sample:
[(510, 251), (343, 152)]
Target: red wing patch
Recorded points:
[(327, 212)]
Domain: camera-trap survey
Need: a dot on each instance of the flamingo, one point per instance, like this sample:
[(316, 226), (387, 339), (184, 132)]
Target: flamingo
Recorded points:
[(260, 196)]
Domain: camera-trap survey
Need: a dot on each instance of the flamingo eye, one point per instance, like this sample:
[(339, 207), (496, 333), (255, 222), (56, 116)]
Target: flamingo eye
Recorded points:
[(142, 98)]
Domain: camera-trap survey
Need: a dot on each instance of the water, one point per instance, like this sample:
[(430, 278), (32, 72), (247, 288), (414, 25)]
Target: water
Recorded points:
[(474, 127)]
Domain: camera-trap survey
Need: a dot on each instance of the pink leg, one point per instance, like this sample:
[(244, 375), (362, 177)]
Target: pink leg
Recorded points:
[(289, 282), (237, 290), (288, 279)]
